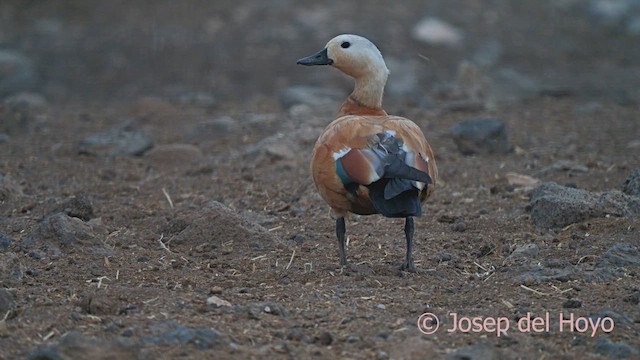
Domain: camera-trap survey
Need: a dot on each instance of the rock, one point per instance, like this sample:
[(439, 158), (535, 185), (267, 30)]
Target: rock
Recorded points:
[(481, 351), (632, 184), (564, 165), (538, 275), (315, 97), (481, 136), (217, 302), (459, 226), (214, 129), (283, 147), (5, 241), (510, 86), (433, 31), (4, 138), (10, 191), (556, 206), (620, 255), (19, 111), (172, 334), (60, 231), (614, 350), (124, 139), (526, 251), (572, 304), (173, 156), (325, 338), (7, 302), (78, 206), (11, 270), (611, 13), (75, 345), (221, 227), (17, 73), (100, 302)]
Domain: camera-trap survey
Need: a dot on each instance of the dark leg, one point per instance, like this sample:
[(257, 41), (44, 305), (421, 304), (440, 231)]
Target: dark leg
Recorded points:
[(341, 229), (408, 232)]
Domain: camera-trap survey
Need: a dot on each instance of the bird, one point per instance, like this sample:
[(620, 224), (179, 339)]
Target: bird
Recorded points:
[(366, 161)]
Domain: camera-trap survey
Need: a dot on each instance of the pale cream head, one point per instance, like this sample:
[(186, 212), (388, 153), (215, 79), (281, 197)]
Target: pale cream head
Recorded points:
[(356, 56)]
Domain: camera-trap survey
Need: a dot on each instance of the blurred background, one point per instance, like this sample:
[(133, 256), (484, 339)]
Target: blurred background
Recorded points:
[(230, 53)]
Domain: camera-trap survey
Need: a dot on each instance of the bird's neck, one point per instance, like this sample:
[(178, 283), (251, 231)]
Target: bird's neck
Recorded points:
[(366, 98)]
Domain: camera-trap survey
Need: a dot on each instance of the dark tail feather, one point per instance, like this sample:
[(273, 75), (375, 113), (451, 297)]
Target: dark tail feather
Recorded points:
[(396, 187), (397, 168), (402, 205)]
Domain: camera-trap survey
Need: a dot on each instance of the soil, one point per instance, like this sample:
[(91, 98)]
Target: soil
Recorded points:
[(219, 226)]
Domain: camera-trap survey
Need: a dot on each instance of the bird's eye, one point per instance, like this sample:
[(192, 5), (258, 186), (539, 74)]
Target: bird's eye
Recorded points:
[(345, 44)]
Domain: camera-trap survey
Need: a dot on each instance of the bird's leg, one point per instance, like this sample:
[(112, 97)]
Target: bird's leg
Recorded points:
[(408, 232), (341, 229)]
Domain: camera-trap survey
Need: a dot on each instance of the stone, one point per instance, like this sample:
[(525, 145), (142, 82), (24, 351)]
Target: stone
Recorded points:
[(217, 302), (78, 206), (18, 112), (434, 31), (5, 241), (632, 184), (58, 232), (125, 139), (172, 334), (219, 225), (614, 350), (17, 73), (481, 136), (556, 206), (11, 270), (75, 345), (7, 302), (527, 251), (620, 255)]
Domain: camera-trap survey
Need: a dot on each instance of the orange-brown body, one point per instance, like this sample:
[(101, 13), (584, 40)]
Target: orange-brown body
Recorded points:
[(353, 128)]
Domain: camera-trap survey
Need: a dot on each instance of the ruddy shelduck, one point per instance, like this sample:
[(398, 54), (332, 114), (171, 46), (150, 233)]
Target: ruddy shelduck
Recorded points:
[(366, 161)]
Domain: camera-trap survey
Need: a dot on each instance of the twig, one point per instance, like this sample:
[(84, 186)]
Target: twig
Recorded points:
[(164, 246), (291, 260), (275, 228), (533, 290), (166, 194)]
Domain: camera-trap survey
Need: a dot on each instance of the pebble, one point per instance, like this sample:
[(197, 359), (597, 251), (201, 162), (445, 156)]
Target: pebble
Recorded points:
[(434, 31), (11, 269), (125, 139), (481, 136), (572, 304), (459, 226), (7, 302), (325, 338), (528, 251), (217, 302), (5, 241), (632, 184)]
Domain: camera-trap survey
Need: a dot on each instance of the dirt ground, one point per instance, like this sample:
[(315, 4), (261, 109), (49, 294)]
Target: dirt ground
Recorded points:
[(215, 244)]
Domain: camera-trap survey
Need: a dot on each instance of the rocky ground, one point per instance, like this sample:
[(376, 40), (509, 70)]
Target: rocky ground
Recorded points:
[(156, 202)]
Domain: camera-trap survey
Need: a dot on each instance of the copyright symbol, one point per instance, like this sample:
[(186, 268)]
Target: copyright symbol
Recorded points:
[(428, 323)]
